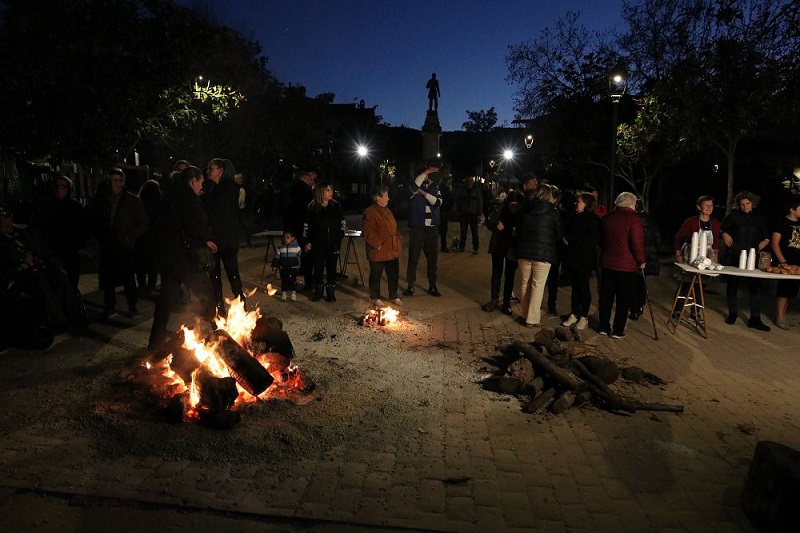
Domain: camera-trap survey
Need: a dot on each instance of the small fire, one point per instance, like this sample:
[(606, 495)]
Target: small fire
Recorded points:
[(380, 316), (271, 290), (238, 324)]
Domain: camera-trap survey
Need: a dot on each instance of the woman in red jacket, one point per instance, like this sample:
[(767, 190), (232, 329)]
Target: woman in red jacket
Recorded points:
[(704, 222)]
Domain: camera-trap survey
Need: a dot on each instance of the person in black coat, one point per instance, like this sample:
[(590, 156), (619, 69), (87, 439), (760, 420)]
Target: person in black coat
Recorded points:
[(323, 232), (62, 222), (184, 231), (743, 229), (147, 253), (502, 222), (581, 237), (301, 193), (221, 197), (540, 231)]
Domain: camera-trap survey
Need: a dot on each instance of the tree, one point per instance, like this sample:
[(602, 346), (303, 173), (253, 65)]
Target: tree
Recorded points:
[(721, 67), (480, 120), (564, 73)]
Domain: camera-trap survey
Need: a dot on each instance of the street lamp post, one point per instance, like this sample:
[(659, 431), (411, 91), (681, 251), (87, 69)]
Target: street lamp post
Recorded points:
[(617, 83)]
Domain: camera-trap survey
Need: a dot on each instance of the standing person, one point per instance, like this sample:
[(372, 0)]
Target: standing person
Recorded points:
[(185, 234), (301, 193), (786, 249), (62, 222), (433, 93), (245, 208), (447, 205), (704, 222), (118, 217), (501, 247), (148, 256), (621, 257), (323, 232), (743, 229), (553, 277), (221, 198), (383, 242), (529, 183), (540, 231), (469, 202), (582, 236), (287, 260), (423, 218), (652, 243)]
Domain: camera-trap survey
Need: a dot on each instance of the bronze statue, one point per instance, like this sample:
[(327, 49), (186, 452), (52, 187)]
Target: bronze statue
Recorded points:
[(433, 93)]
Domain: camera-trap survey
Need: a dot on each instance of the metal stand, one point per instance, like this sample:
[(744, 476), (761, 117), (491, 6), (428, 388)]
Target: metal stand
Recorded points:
[(270, 236), (351, 236)]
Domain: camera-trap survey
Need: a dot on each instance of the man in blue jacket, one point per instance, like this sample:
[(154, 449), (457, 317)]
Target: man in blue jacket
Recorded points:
[(423, 220)]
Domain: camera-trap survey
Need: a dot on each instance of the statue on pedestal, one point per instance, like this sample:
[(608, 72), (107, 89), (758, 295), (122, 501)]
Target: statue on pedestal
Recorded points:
[(433, 93)]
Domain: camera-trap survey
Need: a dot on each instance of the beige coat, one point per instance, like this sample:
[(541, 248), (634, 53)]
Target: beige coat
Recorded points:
[(381, 237)]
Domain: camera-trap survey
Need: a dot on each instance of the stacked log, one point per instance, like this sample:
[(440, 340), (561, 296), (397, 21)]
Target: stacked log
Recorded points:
[(558, 371)]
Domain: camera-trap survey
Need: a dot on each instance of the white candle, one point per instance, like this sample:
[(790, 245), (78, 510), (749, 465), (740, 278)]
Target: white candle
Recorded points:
[(743, 260), (703, 248), (751, 259), (693, 249)]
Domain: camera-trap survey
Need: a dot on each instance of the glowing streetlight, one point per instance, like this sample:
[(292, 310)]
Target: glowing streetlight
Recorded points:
[(362, 151), (508, 155)]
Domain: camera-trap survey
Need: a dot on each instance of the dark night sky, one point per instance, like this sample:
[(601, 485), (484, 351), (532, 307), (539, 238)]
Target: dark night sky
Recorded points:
[(384, 51)]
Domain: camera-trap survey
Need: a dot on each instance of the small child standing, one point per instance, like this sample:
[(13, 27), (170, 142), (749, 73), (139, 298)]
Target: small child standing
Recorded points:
[(287, 261)]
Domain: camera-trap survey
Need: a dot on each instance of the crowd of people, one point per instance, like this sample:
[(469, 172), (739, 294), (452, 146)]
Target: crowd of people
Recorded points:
[(183, 230)]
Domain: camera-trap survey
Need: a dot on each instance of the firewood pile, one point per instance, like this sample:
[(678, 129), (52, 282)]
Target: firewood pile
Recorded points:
[(558, 371)]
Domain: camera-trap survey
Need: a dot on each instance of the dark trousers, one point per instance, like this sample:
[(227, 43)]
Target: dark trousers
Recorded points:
[(422, 240), (443, 232), (307, 268), (616, 286), (376, 269), (581, 298), (756, 287), (288, 279), (502, 266), (229, 257), (114, 271), (200, 285), (552, 283), (468, 222), (325, 261)]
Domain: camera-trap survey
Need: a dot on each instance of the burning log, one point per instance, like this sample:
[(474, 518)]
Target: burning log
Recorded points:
[(216, 394), (268, 337), (247, 371)]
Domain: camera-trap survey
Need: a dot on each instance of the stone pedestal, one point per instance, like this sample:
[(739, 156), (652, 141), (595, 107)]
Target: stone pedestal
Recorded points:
[(431, 132)]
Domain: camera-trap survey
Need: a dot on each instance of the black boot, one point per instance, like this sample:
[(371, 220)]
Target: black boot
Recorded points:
[(319, 291), (331, 293)]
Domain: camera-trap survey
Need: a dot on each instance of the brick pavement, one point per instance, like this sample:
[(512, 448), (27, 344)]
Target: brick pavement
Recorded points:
[(478, 463)]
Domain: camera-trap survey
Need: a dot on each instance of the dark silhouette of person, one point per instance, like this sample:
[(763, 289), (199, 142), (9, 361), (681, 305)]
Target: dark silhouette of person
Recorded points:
[(433, 93)]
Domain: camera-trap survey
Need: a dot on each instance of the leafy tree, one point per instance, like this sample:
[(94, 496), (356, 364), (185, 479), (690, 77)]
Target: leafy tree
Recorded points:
[(721, 67), (480, 120)]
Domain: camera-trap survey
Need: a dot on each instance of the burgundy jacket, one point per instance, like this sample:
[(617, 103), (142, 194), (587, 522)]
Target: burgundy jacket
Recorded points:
[(692, 224), (622, 241)]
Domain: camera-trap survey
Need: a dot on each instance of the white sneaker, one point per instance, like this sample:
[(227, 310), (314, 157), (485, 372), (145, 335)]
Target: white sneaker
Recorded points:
[(582, 323), (283, 296), (293, 297), (378, 302), (397, 301), (571, 319)]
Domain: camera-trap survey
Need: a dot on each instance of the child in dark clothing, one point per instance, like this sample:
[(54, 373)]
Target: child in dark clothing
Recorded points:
[(287, 261)]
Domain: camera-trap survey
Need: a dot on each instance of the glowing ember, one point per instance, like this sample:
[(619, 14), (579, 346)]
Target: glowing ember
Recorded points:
[(207, 350), (380, 316), (271, 290)]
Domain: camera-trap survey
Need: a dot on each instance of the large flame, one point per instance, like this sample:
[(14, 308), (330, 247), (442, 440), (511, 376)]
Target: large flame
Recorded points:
[(238, 323), (381, 316)]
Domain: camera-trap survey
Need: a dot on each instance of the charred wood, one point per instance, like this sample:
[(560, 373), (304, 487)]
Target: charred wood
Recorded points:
[(247, 371)]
